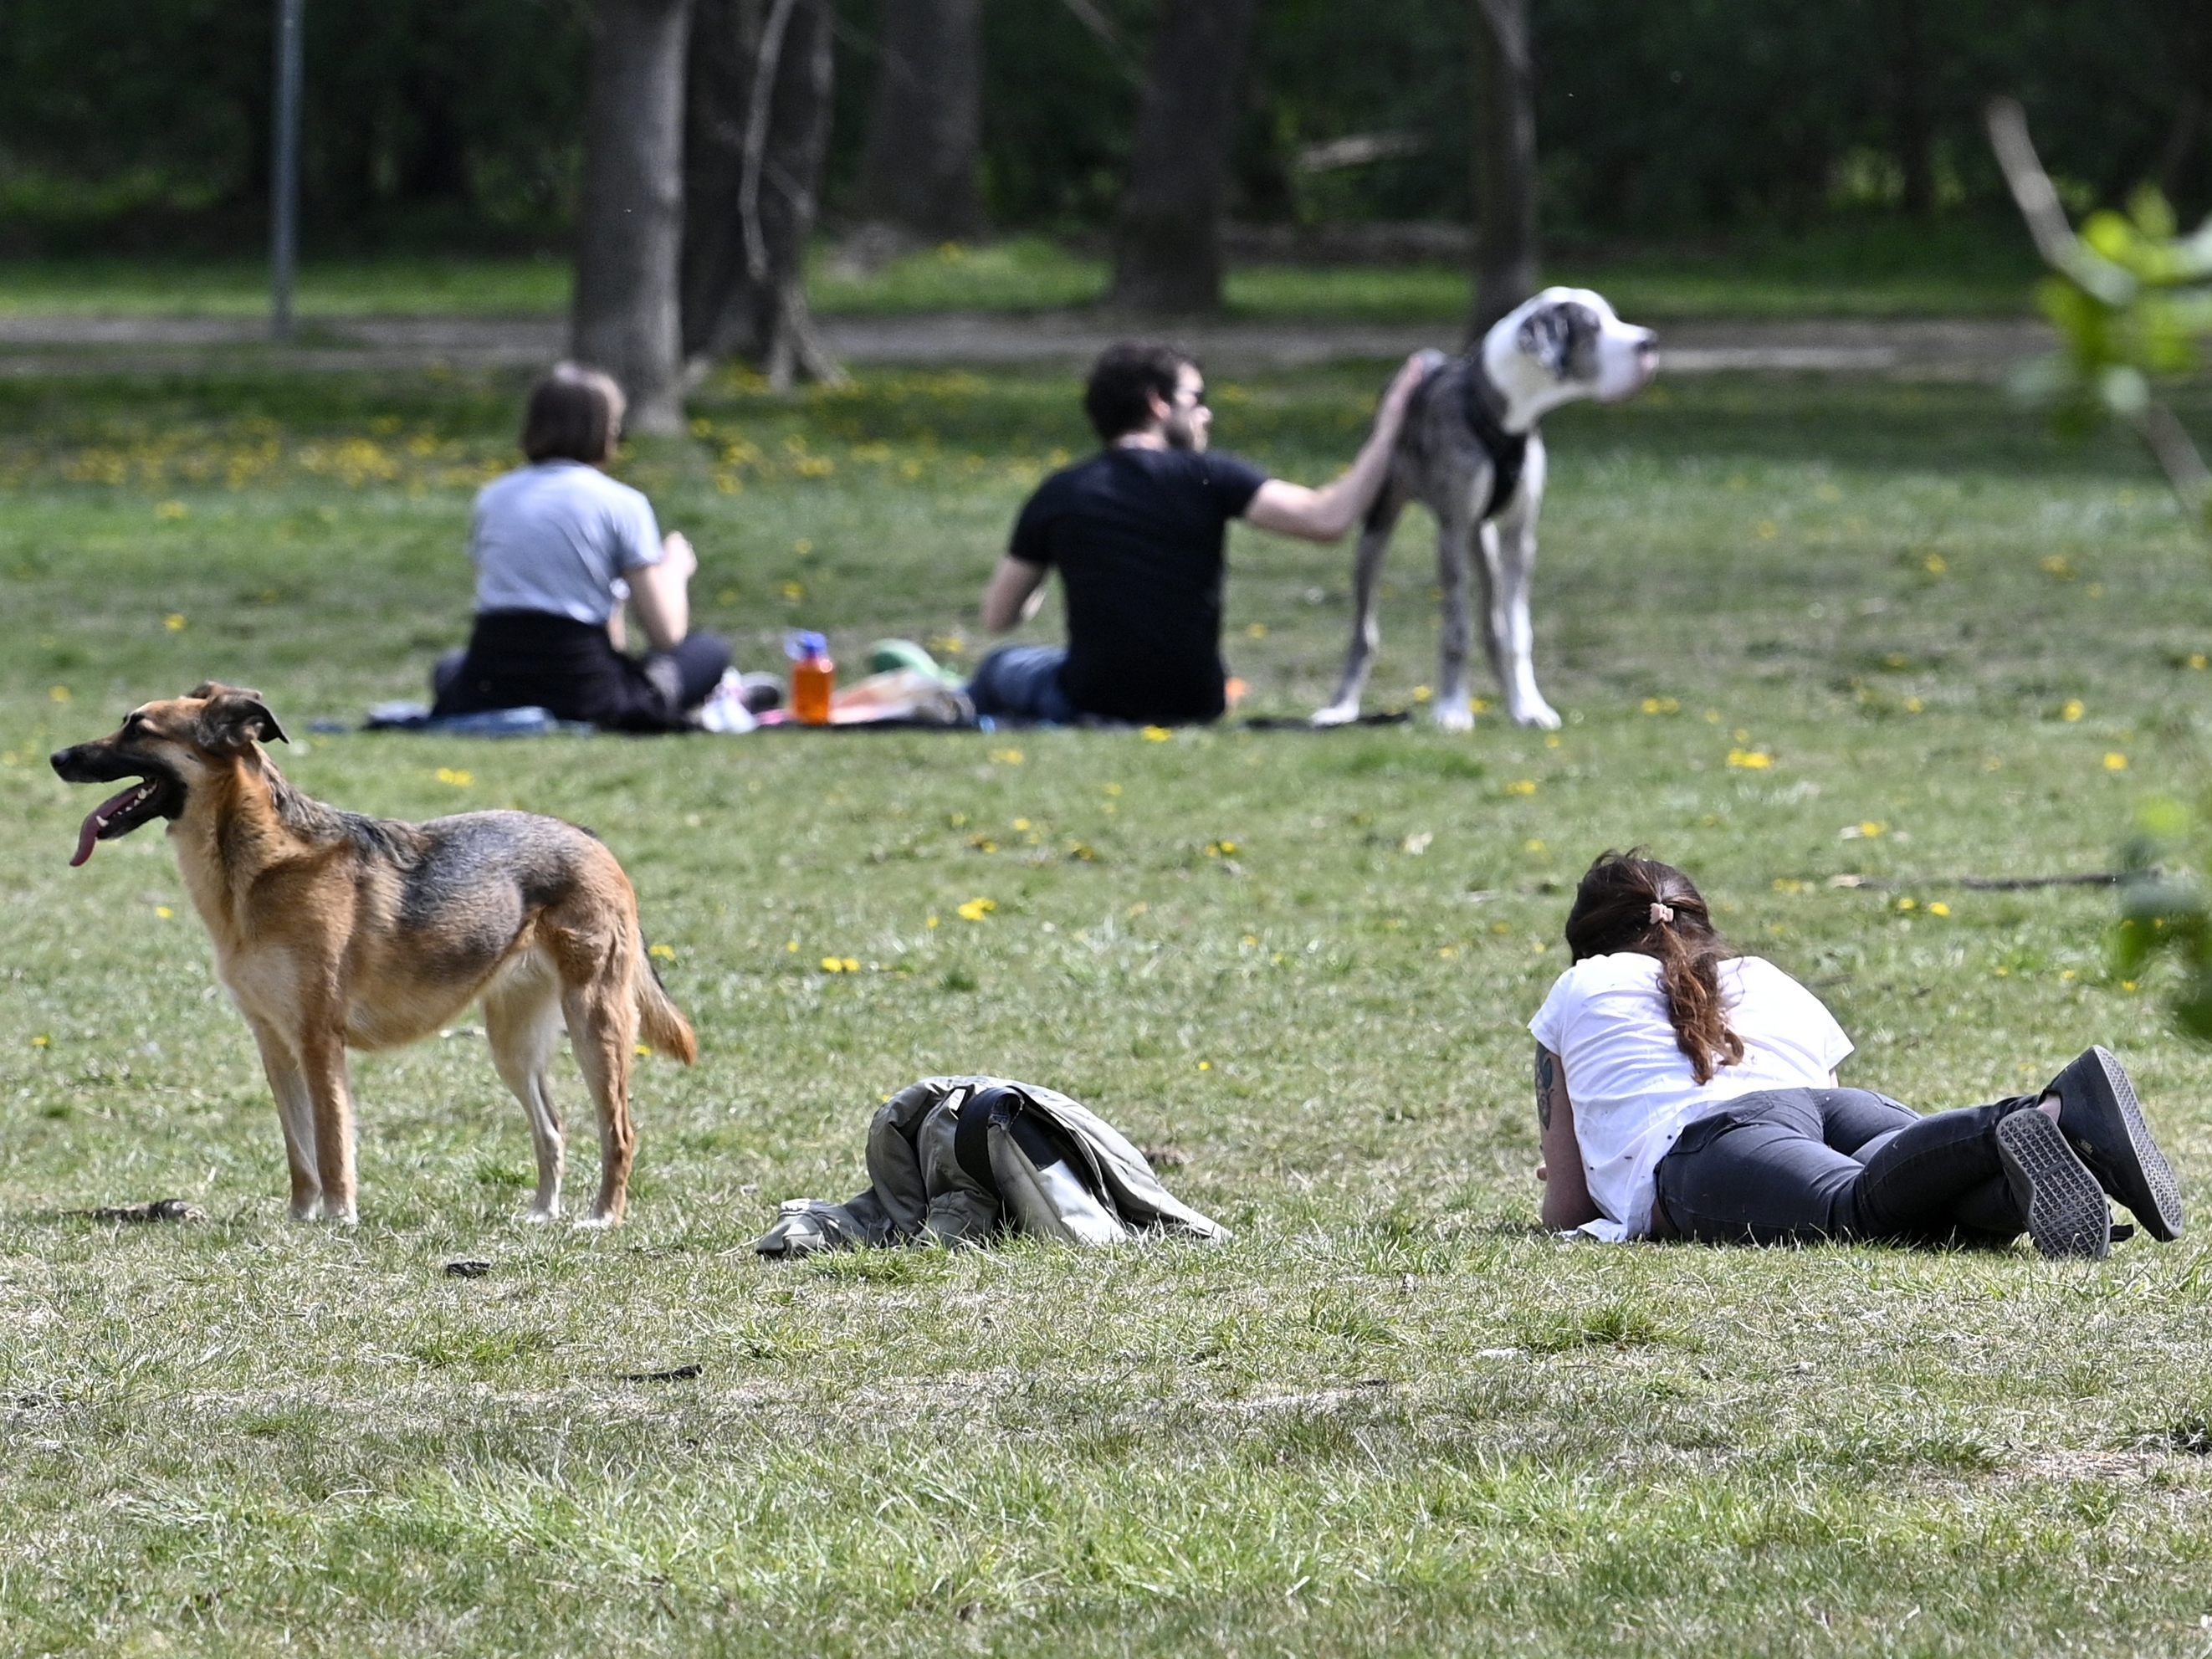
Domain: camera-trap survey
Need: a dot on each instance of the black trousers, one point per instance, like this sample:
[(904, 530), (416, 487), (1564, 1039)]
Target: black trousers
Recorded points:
[(525, 658), (1800, 1165)]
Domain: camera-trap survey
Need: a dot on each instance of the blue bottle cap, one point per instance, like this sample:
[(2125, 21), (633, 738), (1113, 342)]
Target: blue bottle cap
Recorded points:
[(801, 643)]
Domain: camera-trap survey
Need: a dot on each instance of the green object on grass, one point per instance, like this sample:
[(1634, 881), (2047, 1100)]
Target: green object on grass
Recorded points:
[(888, 656)]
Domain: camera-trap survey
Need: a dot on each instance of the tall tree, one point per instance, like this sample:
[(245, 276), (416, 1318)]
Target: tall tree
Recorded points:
[(758, 130), (1167, 236), (625, 319), (1504, 161), (918, 172)]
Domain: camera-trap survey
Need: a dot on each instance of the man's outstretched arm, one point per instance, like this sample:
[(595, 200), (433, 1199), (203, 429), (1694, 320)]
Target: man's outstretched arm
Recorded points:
[(1324, 515), (1013, 595)]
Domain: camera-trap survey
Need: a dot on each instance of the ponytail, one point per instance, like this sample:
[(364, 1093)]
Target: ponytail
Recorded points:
[(1629, 903)]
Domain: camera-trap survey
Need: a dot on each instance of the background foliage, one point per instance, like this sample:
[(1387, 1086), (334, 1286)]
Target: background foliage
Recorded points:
[(455, 122)]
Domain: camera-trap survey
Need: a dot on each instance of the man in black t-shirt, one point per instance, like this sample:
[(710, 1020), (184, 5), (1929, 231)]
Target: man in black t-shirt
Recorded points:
[(1137, 534)]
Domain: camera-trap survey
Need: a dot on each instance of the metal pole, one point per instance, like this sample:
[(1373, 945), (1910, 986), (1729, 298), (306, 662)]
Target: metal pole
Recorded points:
[(285, 185)]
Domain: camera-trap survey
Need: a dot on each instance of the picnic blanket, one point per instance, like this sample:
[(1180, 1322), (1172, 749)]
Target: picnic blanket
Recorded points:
[(964, 1160)]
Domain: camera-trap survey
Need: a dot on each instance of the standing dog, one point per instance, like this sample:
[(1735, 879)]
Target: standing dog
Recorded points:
[(1471, 453), (334, 930)]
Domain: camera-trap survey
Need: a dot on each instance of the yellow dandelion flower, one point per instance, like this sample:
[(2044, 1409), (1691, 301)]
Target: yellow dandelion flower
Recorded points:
[(1934, 564), (1005, 757), (42, 1040), (1750, 760), (174, 622), (1913, 705), (1521, 786), (976, 909), (2115, 761), (640, 1051), (666, 952), (2070, 710), (1534, 846), (792, 946), (2196, 659), (164, 912), (1205, 1065), (58, 693), (1021, 824), (1156, 734), (1422, 694), (1908, 903), (458, 778), (1111, 788), (1939, 909), (929, 921), (1257, 631)]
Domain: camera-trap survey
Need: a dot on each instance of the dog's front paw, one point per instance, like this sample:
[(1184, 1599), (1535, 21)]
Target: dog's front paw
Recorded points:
[(1455, 717), (598, 1221), (539, 1215), (305, 1209), (1337, 714), (1538, 713)]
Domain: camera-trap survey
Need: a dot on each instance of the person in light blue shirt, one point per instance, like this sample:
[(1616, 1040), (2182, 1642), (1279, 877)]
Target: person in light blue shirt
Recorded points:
[(558, 547)]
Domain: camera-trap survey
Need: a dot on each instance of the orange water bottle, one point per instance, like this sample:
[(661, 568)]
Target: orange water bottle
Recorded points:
[(813, 676)]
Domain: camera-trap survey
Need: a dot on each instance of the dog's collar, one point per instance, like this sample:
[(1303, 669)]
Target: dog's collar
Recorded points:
[(1484, 405)]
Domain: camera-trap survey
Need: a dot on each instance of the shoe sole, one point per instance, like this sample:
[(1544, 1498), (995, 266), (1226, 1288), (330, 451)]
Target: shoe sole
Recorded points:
[(2129, 1160), (2067, 1217)]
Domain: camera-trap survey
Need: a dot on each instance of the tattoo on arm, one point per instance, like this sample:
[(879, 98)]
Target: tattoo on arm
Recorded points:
[(1548, 1079)]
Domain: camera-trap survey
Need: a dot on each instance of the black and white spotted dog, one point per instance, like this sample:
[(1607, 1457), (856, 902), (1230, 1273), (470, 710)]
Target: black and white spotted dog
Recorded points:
[(1471, 453)]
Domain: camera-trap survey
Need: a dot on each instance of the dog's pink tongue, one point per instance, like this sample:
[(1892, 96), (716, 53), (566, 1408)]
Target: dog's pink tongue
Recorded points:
[(89, 831)]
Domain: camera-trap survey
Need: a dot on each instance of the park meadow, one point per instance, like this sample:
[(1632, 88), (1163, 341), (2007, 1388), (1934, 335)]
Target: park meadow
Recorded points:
[(1802, 628)]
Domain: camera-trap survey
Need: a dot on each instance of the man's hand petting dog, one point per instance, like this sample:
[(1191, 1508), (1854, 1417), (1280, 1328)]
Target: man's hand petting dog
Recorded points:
[(1470, 453), (334, 930)]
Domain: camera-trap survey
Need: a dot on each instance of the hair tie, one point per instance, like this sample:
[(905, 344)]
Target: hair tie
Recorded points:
[(1661, 913)]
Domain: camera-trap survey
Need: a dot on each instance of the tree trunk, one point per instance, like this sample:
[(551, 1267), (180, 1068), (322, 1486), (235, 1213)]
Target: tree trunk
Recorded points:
[(918, 170), (757, 134), (1915, 120), (1504, 161), (630, 228), (1167, 237)]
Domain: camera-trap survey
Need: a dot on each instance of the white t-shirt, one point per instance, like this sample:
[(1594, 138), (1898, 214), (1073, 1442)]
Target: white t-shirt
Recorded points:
[(1632, 1087), (558, 536)]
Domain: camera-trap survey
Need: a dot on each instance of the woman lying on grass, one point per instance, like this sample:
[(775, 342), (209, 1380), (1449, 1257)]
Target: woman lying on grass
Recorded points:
[(558, 546), (1684, 1091)]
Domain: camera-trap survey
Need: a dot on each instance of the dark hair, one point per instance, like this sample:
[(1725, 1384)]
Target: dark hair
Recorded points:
[(1117, 396), (575, 414), (1623, 904)]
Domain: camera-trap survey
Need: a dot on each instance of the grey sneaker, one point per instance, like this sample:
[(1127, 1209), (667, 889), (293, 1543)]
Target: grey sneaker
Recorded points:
[(2099, 1111), (2065, 1208)]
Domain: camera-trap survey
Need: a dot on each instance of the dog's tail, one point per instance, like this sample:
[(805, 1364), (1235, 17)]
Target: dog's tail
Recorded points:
[(659, 1021)]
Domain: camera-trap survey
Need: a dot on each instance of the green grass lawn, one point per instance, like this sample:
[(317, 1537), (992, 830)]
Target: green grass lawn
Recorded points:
[(1799, 628), (1876, 271)]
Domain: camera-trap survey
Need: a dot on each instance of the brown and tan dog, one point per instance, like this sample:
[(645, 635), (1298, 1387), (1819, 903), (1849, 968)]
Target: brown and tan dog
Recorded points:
[(334, 930)]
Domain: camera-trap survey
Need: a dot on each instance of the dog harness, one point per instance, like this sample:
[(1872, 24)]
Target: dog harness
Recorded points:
[(1508, 451)]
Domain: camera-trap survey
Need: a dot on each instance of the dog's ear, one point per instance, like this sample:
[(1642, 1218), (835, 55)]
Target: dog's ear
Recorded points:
[(234, 719), (1544, 336), (1553, 335)]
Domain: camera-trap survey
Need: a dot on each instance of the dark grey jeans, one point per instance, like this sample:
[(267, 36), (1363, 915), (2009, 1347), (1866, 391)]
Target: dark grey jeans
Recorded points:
[(1799, 1165)]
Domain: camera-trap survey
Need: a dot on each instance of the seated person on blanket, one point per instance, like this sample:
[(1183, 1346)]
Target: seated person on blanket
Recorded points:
[(1683, 1090), (1136, 532), (558, 546)]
